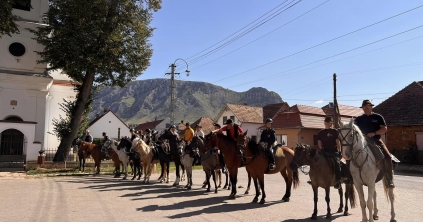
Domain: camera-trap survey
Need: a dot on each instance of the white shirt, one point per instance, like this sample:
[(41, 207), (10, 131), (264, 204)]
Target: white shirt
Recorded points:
[(199, 133)]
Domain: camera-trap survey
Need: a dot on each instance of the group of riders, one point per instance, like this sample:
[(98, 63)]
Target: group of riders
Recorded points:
[(371, 124)]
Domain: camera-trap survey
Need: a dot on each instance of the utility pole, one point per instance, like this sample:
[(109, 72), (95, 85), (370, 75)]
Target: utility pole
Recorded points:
[(172, 89), (335, 104)]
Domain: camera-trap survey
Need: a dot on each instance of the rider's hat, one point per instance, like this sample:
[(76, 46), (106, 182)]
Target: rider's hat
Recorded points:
[(216, 124), (173, 126), (87, 131), (198, 126), (269, 120), (366, 102), (147, 130), (104, 133), (187, 124), (131, 130), (229, 121), (328, 119)]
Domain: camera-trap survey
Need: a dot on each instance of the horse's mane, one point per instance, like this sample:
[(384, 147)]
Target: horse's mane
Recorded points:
[(143, 145), (224, 137), (253, 146)]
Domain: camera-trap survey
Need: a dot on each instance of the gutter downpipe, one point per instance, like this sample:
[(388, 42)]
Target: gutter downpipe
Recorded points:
[(299, 137)]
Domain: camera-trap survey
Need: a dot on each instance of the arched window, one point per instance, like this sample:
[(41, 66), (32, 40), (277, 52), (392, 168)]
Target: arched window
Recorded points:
[(11, 142), (14, 118)]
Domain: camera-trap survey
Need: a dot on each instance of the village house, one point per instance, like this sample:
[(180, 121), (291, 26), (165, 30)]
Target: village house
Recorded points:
[(29, 99), (110, 123), (403, 113), (301, 123), (206, 124), (248, 117), (159, 125)]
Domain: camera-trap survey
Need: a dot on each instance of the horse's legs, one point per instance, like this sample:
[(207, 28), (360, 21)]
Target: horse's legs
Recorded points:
[(83, 164), (208, 174), (261, 181), (233, 177), (145, 172), (392, 200), (341, 199), (226, 180), (167, 171), (214, 180), (183, 172), (316, 198), (256, 187), (249, 183), (125, 168), (371, 192), (134, 168), (360, 192), (176, 183), (219, 176), (139, 166), (347, 194), (375, 210), (161, 177), (287, 176), (327, 198)]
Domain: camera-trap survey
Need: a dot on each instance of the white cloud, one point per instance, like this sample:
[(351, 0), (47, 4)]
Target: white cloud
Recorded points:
[(319, 101)]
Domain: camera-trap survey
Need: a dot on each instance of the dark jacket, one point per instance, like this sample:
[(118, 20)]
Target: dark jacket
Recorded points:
[(268, 136)]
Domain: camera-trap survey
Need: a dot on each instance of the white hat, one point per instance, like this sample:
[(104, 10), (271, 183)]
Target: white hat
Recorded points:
[(87, 131)]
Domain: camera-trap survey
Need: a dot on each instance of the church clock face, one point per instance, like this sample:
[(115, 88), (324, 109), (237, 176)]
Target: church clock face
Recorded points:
[(17, 49)]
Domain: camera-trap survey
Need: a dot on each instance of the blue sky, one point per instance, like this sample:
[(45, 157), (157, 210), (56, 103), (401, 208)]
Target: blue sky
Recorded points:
[(185, 28)]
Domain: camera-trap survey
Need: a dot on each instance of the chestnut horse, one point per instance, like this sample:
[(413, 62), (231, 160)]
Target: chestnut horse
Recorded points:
[(322, 175), (146, 158), (257, 164), (95, 152)]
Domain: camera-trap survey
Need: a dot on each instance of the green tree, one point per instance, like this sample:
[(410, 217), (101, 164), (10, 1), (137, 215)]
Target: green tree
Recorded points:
[(96, 41), (8, 24)]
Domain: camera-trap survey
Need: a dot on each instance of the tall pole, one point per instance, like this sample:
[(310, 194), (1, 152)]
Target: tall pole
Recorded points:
[(335, 104), (172, 89)]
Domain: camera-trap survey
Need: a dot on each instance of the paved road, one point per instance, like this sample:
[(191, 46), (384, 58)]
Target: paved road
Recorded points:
[(107, 199)]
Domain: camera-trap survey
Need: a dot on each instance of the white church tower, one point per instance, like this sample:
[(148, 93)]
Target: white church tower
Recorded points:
[(29, 100)]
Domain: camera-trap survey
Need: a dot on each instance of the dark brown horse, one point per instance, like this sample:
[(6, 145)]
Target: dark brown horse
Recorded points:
[(322, 175), (97, 155), (257, 164), (81, 155)]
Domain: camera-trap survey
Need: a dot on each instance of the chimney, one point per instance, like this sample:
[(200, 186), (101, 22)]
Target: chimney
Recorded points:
[(106, 110)]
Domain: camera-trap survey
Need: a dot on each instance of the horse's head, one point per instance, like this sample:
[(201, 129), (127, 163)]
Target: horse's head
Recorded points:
[(242, 140), (210, 140), (300, 156), (181, 147), (198, 142), (349, 135)]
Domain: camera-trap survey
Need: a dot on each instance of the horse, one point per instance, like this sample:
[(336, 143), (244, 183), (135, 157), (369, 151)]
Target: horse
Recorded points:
[(173, 142), (146, 157), (81, 155), (364, 169), (123, 157), (186, 161), (322, 175), (134, 156), (97, 155), (257, 165), (163, 154)]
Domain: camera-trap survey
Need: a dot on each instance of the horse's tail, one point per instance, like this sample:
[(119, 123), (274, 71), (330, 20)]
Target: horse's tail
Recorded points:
[(295, 179), (387, 190), (352, 195)]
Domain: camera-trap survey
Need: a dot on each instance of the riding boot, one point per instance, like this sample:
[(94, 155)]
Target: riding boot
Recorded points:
[(271, 159), (337, 174), (389, 173), (222, 162)]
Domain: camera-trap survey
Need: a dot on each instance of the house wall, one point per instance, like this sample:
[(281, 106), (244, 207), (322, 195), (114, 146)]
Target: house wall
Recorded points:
[(292, 136), (109, 123), (398, 137), (306, 136), (252, 129), (228, 113), (162, 125)]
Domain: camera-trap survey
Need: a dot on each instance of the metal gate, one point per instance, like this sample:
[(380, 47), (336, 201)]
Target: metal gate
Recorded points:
[(11, 142)]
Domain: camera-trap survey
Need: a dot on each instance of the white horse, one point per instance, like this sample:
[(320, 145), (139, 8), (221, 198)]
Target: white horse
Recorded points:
[(123, 157), (364, 170), (187, 161)]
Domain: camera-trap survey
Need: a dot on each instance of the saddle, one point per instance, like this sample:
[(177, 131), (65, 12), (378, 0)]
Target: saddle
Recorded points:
[(335, 157)]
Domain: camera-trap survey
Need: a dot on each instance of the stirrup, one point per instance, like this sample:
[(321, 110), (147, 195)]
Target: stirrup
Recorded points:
[(272, 166)]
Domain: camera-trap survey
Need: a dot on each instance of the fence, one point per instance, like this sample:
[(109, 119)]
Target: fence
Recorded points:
[(72, 157)]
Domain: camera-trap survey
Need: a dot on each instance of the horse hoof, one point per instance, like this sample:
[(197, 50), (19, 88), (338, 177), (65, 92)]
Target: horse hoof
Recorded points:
[(346, 213), (219, 186), (328, 216), (375, 217), (133, 179), (174, 185), (255, 200), (123, 178), (215, 191), (232, 197), (167, 181), (246, 192), (393, 220), (204, 186), (314, 217), (285, 199), (208, 190), (262, 201), (339, 210), (188, 188), (224, 187), (139, 179)]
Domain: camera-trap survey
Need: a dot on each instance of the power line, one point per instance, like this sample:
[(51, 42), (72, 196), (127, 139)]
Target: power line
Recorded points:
[(261, 36), (323, 43), (338, 54)]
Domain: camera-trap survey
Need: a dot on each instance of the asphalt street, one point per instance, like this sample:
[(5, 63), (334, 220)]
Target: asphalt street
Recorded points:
[(102, 198)]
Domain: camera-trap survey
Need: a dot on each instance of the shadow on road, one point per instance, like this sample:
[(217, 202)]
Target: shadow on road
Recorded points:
[(319, 218)]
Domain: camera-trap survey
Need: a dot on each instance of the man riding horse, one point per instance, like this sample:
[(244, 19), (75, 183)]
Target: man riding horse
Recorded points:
[(104, 149), (373, 125), (268, 136), (232, 132), (329, 143)]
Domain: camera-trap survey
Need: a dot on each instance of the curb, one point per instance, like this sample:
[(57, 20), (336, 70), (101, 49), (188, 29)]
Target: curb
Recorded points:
[(407, 168)]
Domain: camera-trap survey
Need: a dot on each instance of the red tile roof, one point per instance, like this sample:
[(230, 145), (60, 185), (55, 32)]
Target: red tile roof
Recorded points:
[(270, 110), (148, 125), (64, 83), (405, 107), (345, 111), (247, 114), (307, 109), (206, 124)]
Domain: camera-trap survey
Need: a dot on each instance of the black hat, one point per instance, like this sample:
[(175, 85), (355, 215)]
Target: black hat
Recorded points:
[(131, 130), (147, 130), (328, 119), (269, 120), (366, 102), (173, 126), (216, 124), (104, 133), (187, 124), (229, 121), (198, 126)]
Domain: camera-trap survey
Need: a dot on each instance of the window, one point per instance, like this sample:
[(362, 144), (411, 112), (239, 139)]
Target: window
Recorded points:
[(315, 140), (282, 139), (14, 119), (17, 49), (233, 118), (224, 119), (22, 5)]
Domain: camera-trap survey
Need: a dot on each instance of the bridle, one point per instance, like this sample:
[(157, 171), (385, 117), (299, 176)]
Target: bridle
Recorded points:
[(242, 148), (305, 153)]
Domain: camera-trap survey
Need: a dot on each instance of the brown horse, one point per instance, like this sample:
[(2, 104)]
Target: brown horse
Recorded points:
[(95, 152), (257, 164), (146, 158), (322, 175)]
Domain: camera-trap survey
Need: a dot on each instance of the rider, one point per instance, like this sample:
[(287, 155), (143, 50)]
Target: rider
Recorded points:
[(103, 149), (268, 136), (88, 138), (133, 135), (328, 142), (188, 135), (373, 125), (232, 130), (199, 131), (173, 131), (147, 136), (217, 127)]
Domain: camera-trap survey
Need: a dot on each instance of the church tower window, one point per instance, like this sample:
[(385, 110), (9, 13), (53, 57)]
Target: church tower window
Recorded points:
[(17, 49), (22, 5)]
